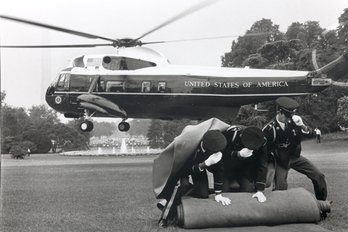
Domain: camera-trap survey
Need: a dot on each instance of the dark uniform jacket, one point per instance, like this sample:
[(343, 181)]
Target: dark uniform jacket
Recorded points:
[(254, 167), (216, 169), (284, 144), (170, 165)]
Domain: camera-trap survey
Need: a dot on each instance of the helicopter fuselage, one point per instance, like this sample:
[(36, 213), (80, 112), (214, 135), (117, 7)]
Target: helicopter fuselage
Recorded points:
[(160, 90)]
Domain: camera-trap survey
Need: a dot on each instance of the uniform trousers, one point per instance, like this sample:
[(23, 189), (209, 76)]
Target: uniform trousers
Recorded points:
[(199, 188), (238, 182), (306, 167)]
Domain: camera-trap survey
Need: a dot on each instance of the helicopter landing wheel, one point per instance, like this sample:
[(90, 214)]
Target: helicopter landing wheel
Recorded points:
[(123, 126), (86, 126)]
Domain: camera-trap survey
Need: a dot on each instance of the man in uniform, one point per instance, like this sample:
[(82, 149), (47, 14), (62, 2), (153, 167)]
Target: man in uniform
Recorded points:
[(207, 157), (284, 134), (245, 161), (193, 153)]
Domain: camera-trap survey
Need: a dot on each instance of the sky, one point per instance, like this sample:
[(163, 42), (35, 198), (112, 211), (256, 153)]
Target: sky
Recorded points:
[(26, 73)]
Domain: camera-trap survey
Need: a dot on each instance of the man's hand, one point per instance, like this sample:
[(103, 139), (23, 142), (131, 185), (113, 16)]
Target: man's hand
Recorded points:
[(245, 153), (213, 159), (298, 120), (222, 199), (260, 196)]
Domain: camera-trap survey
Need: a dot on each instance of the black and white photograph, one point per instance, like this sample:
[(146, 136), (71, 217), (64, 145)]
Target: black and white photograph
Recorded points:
[(174, 115)]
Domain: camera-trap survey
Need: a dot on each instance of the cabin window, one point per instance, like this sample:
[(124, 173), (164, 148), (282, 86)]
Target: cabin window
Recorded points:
[(124, 63), (115, 86), (63, 82), (161, 86), (134, 64), (80, 83), (146, 87)]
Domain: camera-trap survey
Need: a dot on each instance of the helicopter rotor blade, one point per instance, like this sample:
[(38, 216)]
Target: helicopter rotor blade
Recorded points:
[(57, 46), (205, 38), (61, 29), (179, 16)]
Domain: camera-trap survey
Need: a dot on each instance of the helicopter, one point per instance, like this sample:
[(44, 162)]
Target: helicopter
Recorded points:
[(139, 82)]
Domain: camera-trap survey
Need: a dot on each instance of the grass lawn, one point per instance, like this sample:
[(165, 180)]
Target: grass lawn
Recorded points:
[(55, 193)]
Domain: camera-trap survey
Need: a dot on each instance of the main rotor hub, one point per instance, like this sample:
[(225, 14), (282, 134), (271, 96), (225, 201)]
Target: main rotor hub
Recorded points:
[(127, 42)]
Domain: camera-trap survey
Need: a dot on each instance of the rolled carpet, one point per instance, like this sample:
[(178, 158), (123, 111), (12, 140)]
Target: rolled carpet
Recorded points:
[(282, 207)]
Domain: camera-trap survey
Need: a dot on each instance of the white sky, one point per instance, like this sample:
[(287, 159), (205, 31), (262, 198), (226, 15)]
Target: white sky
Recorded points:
[(26, 73)]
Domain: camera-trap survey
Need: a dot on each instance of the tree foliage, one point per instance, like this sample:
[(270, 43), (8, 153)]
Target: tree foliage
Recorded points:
[(162, 133), (103, 129), (248, 45), (293, 51), (34, 129), (342, 111), (139, 127)]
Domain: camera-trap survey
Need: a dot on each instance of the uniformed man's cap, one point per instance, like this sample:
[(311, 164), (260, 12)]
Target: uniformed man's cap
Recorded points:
[(214, 141), (252, 138), (287, 104)]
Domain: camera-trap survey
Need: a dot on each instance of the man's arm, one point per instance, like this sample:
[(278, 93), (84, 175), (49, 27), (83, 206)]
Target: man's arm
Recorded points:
[(306, 130), (261, 172), (218, 175)]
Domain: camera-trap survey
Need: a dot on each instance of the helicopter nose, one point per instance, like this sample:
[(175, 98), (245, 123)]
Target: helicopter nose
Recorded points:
[(50, 90), (52, 99)]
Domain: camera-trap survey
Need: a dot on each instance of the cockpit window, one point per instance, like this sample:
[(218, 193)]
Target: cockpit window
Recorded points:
[(80, 83), (124, 63), (63, 82)]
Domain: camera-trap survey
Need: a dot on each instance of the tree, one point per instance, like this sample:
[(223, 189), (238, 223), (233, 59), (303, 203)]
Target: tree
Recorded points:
[(103, 129), (14, 120), (162, 133), (3, 96), (39, 135), (155, 134), (342, 111), (34, 129), (342, 30), (139, 127), (41, 113), (248, 116), (248, 45), (310, 32), (313, 33), (255, 61), (294, 52), (295, 31), (18, 152)]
